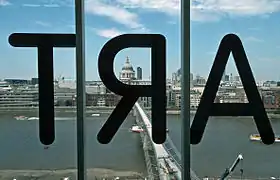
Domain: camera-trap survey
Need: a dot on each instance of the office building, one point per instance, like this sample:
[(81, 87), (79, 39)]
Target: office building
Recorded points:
[(139, 73)]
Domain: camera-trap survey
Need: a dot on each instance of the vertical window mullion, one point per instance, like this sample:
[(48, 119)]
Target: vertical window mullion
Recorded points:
[(80, 88), (185, 88)]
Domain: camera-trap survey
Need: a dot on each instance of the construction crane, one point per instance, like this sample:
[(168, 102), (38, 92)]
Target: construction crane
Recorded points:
[(228, 171)]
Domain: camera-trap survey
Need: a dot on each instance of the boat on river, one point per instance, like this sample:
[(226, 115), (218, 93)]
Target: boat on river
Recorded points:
[(33, 118), (139, 129), (20, 118), (257, 137), (136, 129)]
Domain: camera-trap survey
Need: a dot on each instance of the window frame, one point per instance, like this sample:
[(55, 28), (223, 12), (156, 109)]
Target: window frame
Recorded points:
[(80, 86), (185, 90)]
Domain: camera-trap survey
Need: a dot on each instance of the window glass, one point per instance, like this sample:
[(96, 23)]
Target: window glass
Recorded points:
[(225, 138), (22, 155), (131, 151)]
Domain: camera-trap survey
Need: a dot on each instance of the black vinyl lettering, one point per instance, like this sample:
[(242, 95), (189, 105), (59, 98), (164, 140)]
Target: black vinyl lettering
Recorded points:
[(45, 44), (207, 107), (131, 93)]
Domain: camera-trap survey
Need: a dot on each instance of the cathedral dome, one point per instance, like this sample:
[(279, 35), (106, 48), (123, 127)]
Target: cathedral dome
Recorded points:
[(127, 72), (127, 66)]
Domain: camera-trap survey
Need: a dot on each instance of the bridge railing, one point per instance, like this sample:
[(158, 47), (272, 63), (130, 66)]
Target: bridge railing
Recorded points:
[(151, 160), (174, 153), (171, 149), (176, 156)]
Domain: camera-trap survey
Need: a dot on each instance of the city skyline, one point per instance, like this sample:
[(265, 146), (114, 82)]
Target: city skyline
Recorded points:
[(250, 20)]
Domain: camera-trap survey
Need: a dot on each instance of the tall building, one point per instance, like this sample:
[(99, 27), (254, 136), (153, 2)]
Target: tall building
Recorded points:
[(199, 81), (34, 81), (191, 80), (174, 78), (224, 76), (139, 73), (179, 75)]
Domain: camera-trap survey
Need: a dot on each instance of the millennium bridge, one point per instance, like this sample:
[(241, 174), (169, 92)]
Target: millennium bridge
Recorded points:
[(163, 161)]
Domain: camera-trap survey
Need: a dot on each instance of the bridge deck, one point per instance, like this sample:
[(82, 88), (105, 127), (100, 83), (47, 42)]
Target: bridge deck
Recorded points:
[(166, 153), (163, 156)]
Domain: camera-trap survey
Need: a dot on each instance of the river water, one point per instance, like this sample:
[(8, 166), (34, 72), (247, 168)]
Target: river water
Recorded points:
[(223, 140)]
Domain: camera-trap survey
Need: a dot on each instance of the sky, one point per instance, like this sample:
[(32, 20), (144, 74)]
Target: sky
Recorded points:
[(254, 21)]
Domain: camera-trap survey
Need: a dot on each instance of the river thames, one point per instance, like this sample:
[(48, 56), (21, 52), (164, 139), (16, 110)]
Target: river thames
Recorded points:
[(223, 140)]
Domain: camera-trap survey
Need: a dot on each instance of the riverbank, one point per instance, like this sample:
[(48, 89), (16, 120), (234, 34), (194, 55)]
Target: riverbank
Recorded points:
[(192, 113), (65, 110), (92, 174), (58, 108)]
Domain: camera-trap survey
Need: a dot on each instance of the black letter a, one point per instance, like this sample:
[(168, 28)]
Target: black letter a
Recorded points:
[(207, 107)]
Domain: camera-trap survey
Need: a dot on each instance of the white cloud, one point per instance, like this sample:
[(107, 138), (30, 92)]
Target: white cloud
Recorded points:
[(116, 13), (31, 5), (172, 22), (253, 39), (171, 7), (113, 32), (254, 29), (220, 8), (108, 33), (200, 15), (59, 3), (123, 11), (213, 10), (51, 5), (4, 3), (267, 59), (41, 23), (42, 5)]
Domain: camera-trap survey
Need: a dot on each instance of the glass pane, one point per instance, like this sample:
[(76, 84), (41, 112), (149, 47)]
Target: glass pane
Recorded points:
[(22, 155), (131, 153), (234, 137)]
